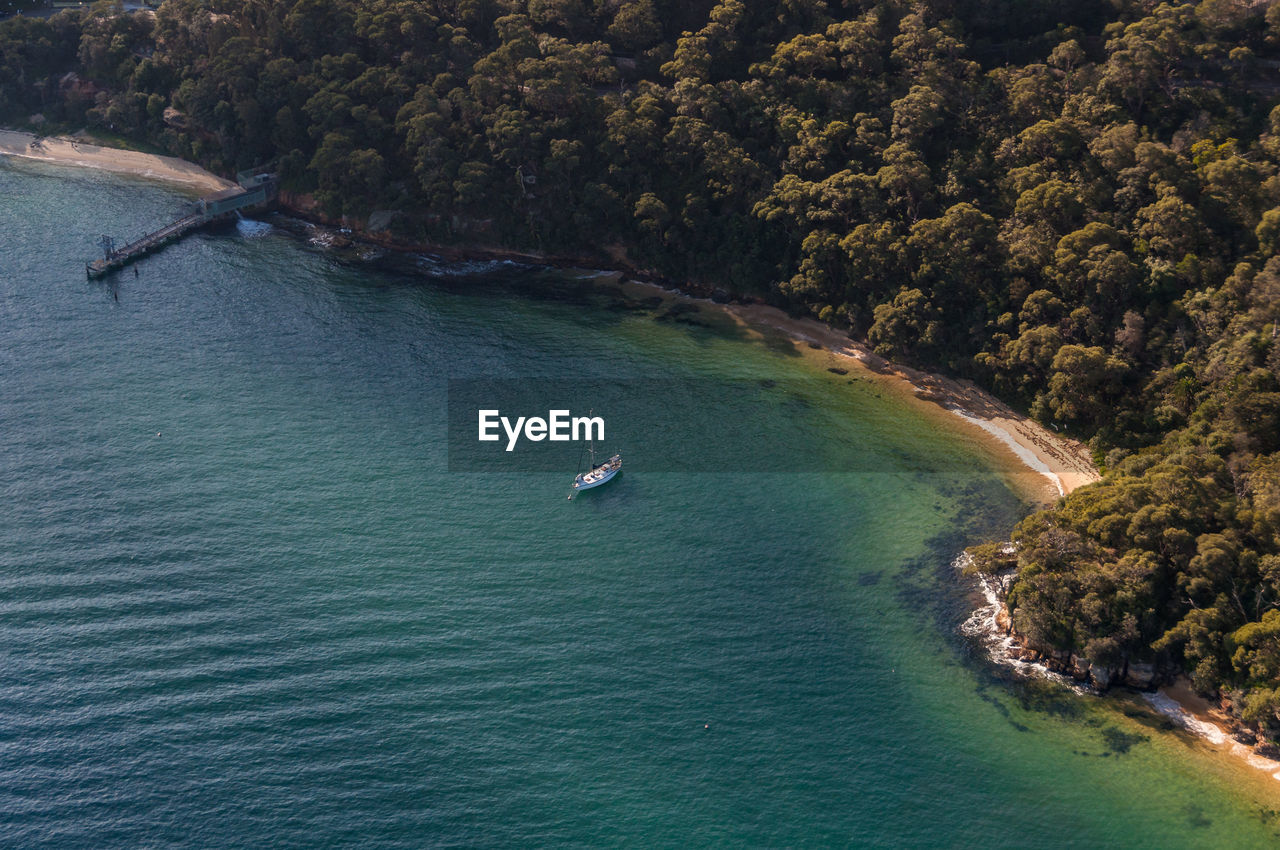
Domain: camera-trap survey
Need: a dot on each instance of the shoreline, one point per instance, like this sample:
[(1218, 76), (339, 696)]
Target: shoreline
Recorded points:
[(1177, 702), (72, 151), (1191, 712), (1063, 462), (1059, 464)]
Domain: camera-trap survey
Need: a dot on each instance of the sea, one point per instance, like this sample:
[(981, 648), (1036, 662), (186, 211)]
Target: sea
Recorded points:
[(254, 594)]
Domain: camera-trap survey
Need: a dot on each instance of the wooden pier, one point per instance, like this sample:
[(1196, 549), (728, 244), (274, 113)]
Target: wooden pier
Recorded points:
[(116, 258), (255, 189)]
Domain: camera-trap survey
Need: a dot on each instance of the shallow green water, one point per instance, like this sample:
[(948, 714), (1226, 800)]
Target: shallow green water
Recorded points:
[(243, 602)]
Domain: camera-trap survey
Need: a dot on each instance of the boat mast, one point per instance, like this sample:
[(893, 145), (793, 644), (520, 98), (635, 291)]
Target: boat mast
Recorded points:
[(591, 435)]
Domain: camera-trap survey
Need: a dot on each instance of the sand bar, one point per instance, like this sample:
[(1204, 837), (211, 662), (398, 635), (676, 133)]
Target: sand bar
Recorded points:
[(64, 150)]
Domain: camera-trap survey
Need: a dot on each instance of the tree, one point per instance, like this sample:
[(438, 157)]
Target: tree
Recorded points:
[(907, 327), (1084, 384), (635, 25)]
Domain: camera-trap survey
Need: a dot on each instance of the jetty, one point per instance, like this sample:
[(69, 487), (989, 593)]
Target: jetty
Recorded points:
[(255, 188)]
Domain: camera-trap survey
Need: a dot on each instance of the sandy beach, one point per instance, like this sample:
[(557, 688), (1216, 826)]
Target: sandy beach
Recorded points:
[(1065, 463), (73, 151), (1061, 464)]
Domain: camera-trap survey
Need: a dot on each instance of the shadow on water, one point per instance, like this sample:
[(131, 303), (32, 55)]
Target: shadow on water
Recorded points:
[(1119, 741), (930, 585), (604, 303), (779, 343), (1196, 818), (683, 313), (991, 699)]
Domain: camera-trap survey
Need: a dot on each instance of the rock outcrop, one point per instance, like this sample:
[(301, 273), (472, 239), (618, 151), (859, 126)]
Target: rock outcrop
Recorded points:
[(1141, 676)]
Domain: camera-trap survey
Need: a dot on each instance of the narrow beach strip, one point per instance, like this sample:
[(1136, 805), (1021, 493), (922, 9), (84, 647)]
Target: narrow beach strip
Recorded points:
[(63, 150), (1062, 463), (1179, 704)]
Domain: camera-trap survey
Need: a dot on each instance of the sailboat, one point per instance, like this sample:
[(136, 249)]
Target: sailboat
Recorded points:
[(599, 473)]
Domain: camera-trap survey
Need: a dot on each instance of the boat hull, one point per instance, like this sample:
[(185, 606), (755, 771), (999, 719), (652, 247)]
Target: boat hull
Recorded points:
[(600, 475)]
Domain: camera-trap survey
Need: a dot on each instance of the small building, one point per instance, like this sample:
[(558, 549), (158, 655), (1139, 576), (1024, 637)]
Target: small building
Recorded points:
[(254, 189), (251, 179), (228, 200)]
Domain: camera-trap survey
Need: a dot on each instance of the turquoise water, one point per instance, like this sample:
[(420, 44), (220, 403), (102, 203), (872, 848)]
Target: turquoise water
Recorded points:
[(244, 603)]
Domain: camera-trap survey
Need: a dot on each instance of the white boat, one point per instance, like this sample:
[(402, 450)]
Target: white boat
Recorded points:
[(598, 474)]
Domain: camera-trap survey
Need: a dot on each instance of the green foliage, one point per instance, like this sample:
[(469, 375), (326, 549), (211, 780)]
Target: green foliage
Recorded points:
[(990, 559)]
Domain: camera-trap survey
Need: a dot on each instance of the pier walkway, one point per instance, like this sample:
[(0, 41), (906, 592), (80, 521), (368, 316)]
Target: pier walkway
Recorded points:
[(254, 189), (116, 258)]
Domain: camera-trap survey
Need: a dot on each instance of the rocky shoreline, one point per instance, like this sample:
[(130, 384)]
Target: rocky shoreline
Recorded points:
[(375, 230), (1165, 689)]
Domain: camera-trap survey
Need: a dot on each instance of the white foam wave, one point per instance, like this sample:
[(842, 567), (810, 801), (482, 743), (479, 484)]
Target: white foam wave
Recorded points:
[(983, 626), (1211, 732), (250, 229), (1169, 707), (322, 238), (464, 268)]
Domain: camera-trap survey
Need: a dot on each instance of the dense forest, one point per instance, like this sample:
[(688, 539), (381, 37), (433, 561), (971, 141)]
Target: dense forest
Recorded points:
[(1075, 204)]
